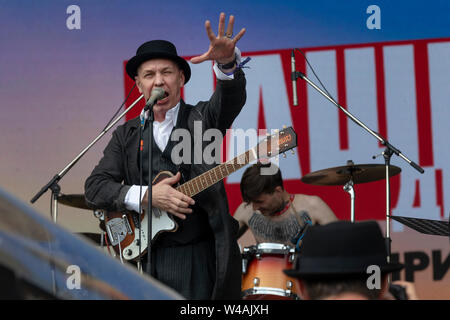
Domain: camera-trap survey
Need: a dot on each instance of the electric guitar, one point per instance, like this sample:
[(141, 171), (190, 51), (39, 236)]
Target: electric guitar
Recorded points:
[(122, 228)]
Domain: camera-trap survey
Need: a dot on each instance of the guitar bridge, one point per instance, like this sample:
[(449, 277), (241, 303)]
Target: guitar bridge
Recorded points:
[(117, 229)]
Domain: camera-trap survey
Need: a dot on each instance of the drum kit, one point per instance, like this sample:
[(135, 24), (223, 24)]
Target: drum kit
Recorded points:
[(263, 264), (78, 201), (263, 276)]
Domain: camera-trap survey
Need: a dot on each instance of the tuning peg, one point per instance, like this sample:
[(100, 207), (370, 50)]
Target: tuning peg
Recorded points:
[(292, 151), (284, 155), (284, 126)]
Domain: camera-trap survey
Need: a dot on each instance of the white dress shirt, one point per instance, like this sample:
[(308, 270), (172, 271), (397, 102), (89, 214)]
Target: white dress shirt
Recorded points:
[(161, 134)]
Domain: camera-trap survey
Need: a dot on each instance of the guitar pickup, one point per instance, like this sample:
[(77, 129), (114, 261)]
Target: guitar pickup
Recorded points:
[(127, 224)]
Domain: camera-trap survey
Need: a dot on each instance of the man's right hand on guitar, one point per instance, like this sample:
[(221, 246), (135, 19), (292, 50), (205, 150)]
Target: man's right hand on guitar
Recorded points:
[(167, 198)]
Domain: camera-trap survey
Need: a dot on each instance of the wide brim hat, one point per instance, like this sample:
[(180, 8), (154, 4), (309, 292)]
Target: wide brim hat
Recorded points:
[(342, 249), (157, 49)]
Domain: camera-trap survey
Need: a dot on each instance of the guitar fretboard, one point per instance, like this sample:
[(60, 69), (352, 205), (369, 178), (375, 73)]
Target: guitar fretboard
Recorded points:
[(210, 177)]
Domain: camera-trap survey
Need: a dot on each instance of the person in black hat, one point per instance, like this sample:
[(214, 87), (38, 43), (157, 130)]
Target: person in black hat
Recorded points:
[(340, 261), (201, 260)]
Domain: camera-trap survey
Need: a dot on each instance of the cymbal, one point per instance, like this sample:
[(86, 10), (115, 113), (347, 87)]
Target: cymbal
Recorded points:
[(96, 237), (73, 200), (359, 173)]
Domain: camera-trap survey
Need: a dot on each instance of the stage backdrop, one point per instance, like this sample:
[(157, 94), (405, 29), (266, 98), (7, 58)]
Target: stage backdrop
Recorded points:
[(62, 78)]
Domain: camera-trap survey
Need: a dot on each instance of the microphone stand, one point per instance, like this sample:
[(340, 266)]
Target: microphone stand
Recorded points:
[(157, 93), (53, 183), (150, 120), (387, 153)]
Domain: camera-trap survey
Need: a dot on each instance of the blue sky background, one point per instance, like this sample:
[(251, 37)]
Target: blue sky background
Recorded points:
[(120, 25)]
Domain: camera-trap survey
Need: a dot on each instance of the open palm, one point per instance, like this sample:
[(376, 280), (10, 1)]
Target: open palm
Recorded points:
[(221, 47)]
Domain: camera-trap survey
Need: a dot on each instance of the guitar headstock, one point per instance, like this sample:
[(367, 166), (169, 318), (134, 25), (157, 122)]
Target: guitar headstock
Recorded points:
[(277, 143)]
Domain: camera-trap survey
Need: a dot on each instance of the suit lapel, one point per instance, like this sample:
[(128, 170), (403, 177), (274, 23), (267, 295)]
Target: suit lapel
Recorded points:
[(181, 124), (132, 143), (132, 152)]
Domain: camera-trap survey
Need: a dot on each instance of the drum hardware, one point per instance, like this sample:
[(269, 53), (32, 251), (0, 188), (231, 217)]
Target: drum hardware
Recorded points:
[(292, 256), (358, 173), (95, 237), (349, 188), (387, 154), (73, 200), (244, 265), (139, 267), (99, 214), (348, 176), (247, 254), (289, 286), (263, 276), (78, 201)]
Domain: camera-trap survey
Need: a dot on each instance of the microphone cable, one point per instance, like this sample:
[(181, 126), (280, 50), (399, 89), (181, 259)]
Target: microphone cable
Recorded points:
[(312, 69), (323, 86)]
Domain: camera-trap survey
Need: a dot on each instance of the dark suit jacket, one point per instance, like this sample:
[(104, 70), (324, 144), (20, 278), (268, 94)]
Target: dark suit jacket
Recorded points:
[(111, 179)]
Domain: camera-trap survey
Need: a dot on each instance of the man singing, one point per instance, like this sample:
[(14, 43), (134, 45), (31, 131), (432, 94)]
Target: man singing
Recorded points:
[(201, 260)]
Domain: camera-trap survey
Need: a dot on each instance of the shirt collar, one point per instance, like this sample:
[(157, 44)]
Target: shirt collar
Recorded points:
[(172, 114)]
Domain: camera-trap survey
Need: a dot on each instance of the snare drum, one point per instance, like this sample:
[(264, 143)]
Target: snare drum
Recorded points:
[(263, 276)]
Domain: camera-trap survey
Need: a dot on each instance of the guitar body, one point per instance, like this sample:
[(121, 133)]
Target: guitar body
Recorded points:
[(123, 230)]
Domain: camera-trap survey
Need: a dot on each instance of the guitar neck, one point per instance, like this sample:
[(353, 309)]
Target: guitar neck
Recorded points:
[(210, 177)]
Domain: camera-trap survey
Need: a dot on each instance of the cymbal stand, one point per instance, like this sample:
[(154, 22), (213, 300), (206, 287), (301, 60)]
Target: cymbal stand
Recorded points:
[(390, 149), (387, 154), (349, 188), (53, 183)]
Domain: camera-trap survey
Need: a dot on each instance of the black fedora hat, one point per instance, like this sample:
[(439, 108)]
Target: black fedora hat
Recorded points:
[(342, 249), (157, 49)]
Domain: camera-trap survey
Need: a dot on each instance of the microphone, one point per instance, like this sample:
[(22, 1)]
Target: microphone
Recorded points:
[(294, 79), (157, 94)]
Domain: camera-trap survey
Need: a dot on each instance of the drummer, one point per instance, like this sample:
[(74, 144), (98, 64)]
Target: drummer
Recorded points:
[(273, 214)]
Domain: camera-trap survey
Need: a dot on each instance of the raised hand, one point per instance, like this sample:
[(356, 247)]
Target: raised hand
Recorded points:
[(221, 47)]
